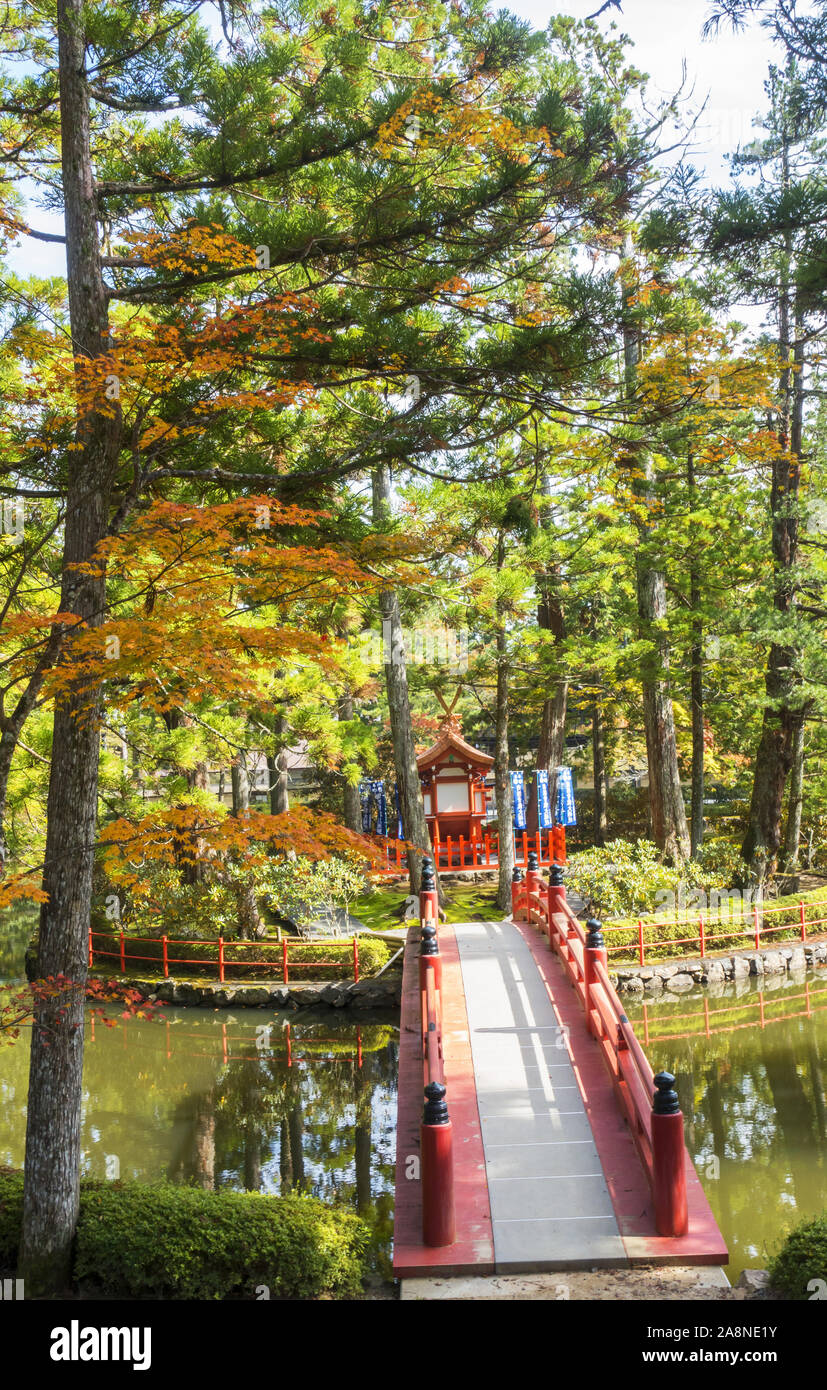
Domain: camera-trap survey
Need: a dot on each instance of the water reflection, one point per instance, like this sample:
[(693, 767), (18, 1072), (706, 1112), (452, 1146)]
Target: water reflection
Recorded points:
[(254, 1102), (749, 1062)]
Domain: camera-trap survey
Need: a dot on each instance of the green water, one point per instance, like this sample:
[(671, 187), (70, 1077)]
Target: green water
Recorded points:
[(753, 1100), (248, 1100)]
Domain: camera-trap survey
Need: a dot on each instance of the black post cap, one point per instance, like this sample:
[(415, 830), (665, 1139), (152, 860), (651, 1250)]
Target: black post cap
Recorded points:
[(666, 1097), (436, 1109), (555, 877), (595, 930), (429, 944), (427, 882), (533, 862), (516, 874)]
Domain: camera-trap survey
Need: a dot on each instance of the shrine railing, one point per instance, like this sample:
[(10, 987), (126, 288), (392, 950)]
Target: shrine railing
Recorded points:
[(456, 854)]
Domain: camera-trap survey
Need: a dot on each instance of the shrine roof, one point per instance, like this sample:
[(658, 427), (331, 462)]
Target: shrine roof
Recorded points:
[(450, 740)]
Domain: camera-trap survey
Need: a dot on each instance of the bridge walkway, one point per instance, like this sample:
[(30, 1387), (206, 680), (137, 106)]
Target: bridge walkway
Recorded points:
[(546, 1172)]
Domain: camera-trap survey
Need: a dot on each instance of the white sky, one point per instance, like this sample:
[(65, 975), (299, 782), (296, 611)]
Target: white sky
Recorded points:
[(728, 70)]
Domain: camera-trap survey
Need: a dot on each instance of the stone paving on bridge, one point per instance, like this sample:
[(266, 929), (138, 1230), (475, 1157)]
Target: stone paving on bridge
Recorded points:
[(550, 1205)]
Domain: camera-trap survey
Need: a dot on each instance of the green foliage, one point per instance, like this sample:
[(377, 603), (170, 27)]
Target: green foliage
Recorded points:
[(722, 864), (11, 1216), (623, 877), (138, 1241), (802, 1258), (299, 890)]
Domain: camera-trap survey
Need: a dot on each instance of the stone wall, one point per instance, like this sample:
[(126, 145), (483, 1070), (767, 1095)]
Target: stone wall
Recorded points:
[(677, 977), (384, 993)]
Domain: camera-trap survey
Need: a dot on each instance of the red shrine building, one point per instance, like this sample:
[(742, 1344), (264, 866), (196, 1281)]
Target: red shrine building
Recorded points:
[(452, 775)]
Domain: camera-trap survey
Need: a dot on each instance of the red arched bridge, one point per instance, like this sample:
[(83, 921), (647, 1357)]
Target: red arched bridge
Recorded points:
[(532, 1133)]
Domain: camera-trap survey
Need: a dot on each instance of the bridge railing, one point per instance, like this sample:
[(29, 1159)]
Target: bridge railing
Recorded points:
[(436, 1131), (649, 1103)]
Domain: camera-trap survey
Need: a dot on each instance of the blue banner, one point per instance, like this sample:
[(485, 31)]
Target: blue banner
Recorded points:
[(518, 798), (364, 797), (399, 832), (564, 812), (378, 793), (543, 803)]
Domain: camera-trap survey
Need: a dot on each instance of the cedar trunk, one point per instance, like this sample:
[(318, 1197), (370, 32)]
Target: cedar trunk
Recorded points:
[(351, 802), (792, 835), (668, 813), (502, 781), (776, 752), (601, 812), (52, 1164), (414, 825)]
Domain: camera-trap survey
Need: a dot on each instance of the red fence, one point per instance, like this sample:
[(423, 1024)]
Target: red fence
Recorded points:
[(754, 929), (122, 954), (464, 856)]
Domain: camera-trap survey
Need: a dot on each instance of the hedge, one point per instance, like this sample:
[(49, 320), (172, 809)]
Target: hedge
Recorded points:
[(141, 953), (140, 1241), (738, 939), (801, 1259)]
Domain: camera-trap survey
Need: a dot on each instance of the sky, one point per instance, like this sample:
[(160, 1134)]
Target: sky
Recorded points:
[(727, 72)]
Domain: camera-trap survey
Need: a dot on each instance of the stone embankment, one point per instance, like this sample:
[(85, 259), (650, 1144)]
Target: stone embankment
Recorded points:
[(677, 977), (382, 993)]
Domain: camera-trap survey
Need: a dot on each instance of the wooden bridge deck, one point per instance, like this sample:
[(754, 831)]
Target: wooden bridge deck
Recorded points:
[(546, 1173)]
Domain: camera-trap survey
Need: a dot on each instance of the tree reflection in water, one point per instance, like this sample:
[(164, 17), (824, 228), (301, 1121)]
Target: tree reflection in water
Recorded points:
[(217, 1100), (754, 1105)]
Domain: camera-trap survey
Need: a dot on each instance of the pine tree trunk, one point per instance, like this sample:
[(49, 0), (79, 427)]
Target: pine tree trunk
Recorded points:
[(502, 780), (552, 742), (414, 825), (351, 802), (775, 757), (52, 1165), (696, 690), (795, 805), (277, 769), (601, 812), (12, 728), (668, 813), (240, 777)]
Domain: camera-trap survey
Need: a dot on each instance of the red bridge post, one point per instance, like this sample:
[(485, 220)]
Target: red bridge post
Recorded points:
[(428, 895), (429, 957), (436, 1149), (516, 892), (556, 899), (595, 951), (668, 1159), (532, 881)]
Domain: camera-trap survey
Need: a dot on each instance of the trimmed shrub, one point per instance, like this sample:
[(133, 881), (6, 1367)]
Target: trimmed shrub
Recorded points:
[(801, 1259), (11, 1216), (139, 1241)]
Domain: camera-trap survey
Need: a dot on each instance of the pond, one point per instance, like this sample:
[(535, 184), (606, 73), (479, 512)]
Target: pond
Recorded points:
[(750, 1060), (245, 1099), (276, 1103)]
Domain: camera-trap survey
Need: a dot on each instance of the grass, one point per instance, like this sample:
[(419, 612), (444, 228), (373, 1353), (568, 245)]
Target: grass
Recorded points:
[(474, 902)]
